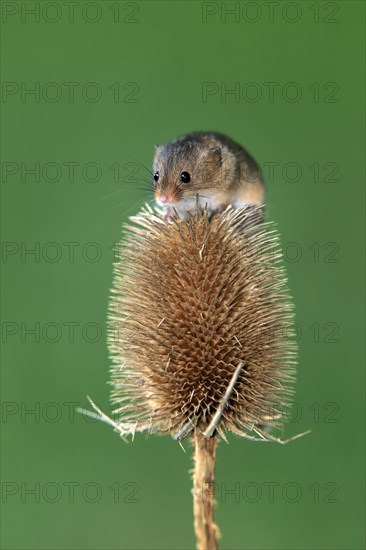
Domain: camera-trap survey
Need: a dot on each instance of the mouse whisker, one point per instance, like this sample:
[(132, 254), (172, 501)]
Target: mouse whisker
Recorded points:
[(150, 172), (133, 207)]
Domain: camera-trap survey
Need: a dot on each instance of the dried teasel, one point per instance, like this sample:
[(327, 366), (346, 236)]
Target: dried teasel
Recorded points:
[(197, 324), (199, 307)]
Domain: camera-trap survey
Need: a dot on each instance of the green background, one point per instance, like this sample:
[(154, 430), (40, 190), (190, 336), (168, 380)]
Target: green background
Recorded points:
[(168, 53)]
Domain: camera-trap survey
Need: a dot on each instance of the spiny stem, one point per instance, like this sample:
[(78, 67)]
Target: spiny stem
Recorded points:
[(207, 532)]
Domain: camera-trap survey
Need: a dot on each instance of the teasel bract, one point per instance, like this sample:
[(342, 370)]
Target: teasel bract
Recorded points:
[(198, 319)]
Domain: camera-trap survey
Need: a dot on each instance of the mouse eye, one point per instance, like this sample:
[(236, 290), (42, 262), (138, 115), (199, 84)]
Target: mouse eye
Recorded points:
[(156, 176), (185, 177)]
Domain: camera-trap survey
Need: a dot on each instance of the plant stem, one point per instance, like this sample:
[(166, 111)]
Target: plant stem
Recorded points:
[(207, 532)]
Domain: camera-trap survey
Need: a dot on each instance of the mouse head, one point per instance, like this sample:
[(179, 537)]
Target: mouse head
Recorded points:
[(184, 169)]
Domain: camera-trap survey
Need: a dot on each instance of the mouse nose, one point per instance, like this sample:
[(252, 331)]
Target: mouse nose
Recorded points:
[(164, 198)]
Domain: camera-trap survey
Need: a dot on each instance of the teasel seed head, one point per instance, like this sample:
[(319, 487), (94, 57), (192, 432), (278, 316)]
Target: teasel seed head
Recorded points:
[(197, 321)]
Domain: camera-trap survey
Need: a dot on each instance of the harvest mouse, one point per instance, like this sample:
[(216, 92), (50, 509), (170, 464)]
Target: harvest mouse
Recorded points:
[(208, 167)]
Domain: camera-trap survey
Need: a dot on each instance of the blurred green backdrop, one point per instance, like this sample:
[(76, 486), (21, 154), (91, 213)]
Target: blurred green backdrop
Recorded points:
[(110, 79)]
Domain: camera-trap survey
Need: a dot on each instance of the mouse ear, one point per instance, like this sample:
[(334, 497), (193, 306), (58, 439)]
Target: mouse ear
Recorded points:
[(214, 154)]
